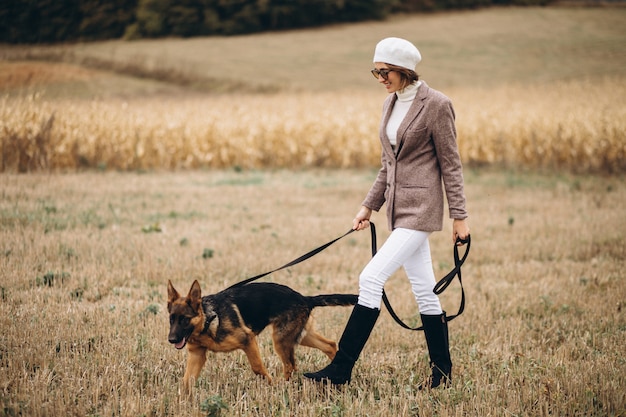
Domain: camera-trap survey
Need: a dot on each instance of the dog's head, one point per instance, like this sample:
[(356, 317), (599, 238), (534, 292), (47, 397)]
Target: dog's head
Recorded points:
[(186, 314)]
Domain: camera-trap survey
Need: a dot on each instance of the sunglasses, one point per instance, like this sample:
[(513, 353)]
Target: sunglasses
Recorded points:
[(383, 72)]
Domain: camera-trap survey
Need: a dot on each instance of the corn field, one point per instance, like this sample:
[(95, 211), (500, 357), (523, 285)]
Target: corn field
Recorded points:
[(576, 126)]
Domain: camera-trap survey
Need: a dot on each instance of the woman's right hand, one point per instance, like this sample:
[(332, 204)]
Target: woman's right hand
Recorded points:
[(362, 219)]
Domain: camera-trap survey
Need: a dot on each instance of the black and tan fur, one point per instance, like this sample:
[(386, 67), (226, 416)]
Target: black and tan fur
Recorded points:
[(232, 318)]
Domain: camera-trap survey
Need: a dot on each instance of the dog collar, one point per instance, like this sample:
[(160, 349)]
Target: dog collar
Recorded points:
[(207, 322)]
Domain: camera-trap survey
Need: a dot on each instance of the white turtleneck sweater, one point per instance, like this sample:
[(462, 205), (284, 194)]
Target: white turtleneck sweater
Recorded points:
[(400, 109)]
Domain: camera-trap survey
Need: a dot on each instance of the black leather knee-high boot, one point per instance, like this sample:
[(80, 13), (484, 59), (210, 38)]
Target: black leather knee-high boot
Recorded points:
[(436, 332), (354, 337)]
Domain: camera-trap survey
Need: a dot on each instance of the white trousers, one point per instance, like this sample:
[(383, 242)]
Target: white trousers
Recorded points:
[(404, 248)]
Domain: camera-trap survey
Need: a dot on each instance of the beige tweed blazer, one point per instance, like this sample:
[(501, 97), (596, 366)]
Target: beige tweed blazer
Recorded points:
[(410, 178)]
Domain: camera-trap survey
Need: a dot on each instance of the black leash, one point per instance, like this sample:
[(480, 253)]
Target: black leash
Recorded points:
[(439, 288), (294, 262)]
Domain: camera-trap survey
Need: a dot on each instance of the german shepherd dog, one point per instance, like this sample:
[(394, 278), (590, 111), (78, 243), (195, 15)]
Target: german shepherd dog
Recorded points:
[(232, 318)]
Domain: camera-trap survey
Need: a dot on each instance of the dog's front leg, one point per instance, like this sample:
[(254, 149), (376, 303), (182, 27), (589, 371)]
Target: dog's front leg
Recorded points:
[(254, 357), (196, 357)]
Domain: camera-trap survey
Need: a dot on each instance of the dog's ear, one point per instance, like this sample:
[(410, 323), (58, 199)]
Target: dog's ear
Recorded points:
[(172, 294), (194, 298)]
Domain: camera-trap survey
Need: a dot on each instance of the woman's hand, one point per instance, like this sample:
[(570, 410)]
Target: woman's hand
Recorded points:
[(362, 219), (460, 229)]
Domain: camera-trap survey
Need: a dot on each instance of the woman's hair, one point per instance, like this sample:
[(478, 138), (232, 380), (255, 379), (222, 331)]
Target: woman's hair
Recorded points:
[(407, 76)]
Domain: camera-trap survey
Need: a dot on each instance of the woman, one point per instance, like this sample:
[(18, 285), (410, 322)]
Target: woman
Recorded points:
[(419, 151)]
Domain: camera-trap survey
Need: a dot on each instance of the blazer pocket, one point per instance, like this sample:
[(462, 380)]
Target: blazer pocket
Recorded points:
[(413, 139), (420, 131), (412, 195), (419, 128)]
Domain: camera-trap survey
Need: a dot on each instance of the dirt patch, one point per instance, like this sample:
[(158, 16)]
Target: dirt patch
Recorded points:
[(35, 73)]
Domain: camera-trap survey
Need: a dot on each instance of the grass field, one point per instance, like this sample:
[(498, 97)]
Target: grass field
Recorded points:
[(86, 258), (217, 159)]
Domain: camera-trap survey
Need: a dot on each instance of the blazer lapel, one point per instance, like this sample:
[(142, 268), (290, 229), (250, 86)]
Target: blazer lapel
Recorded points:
[(414, 111), (383, 126)]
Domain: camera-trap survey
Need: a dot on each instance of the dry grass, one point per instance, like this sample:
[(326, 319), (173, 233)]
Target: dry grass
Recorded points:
[(85, 259)]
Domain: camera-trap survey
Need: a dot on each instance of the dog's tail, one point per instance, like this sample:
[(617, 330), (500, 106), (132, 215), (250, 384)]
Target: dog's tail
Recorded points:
[(332, 300)]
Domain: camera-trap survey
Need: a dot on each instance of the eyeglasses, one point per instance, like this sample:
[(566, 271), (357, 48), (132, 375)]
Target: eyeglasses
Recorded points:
[(383, 72)]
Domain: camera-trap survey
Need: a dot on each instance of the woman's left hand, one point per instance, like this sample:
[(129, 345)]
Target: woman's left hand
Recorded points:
[(460, 229)]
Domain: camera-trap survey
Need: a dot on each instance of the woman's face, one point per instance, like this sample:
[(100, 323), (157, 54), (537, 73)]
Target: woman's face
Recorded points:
[(393, 81)]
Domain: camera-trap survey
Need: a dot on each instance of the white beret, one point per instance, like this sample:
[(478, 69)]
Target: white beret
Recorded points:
[(396, 51)]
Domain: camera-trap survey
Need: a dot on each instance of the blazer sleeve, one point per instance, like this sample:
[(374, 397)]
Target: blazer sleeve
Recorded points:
[(444, 138), (376, 196)]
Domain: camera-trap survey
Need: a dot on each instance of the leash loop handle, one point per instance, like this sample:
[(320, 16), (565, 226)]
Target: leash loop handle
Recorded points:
[(447, 280), (439, 287)]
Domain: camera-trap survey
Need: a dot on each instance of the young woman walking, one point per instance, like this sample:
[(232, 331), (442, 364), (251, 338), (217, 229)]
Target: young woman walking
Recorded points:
[(420, 160)]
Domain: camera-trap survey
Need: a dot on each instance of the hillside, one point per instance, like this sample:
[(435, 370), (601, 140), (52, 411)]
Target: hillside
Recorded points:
[(484, 48)]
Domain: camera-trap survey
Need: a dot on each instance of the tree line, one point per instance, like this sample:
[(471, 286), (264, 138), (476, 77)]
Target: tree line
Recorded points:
[(50, 21)]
